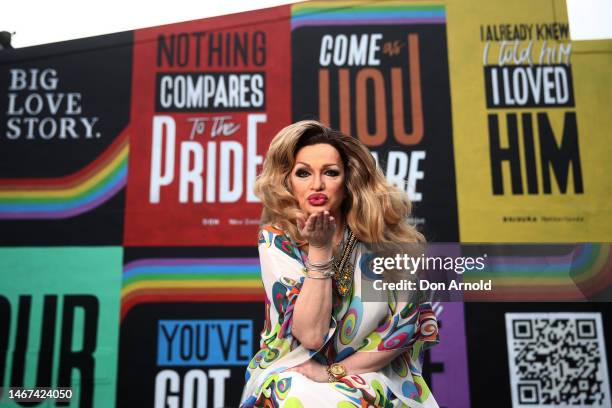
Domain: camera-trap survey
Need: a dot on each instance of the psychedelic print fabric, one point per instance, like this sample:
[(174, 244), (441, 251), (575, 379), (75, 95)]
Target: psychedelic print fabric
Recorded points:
[(355, 326)]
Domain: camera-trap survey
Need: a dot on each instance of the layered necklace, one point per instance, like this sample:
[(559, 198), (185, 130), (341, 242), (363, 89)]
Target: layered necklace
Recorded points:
[(342, 266)]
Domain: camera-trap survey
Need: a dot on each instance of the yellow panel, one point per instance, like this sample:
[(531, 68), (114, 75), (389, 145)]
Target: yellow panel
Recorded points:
[(555, 216)]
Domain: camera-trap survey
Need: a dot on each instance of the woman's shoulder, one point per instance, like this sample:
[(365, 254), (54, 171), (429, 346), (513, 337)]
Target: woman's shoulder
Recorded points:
[(273, 238), (270, 233)]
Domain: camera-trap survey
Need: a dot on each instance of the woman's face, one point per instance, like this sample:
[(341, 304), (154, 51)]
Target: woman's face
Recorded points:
[(317, 179)]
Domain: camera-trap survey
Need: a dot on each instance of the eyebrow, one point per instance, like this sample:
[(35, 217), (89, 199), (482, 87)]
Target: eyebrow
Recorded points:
[(325, 165)]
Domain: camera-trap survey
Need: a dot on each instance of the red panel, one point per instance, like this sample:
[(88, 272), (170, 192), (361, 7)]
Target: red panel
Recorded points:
[(253, 48)]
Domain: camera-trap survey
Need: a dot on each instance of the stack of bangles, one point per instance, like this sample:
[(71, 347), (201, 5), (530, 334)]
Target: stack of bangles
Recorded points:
[(323, 270)]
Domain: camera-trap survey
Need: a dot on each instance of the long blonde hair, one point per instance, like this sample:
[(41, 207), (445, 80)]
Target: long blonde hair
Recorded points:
[(373, 209)]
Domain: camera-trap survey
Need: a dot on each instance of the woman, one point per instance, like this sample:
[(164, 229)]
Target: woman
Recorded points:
[(324, 199)]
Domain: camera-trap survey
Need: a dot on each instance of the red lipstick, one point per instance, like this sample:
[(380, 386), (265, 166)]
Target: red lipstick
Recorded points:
[(317, 199)]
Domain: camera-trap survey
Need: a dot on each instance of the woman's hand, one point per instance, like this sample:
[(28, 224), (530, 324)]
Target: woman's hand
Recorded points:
[(312, 370), (318, 229)]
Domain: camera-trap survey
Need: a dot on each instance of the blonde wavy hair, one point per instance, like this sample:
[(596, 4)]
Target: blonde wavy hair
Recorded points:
[(374, 210)]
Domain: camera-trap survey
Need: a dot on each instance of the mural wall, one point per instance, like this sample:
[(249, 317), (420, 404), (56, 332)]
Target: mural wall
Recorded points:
[(128, 224)]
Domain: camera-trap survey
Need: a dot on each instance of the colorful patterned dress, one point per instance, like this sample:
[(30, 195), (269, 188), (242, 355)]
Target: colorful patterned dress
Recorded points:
[(355, 326)]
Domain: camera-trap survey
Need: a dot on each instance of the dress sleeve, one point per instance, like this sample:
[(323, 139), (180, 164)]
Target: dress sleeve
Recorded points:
[(282, 273), (282, 277), (408, 325)]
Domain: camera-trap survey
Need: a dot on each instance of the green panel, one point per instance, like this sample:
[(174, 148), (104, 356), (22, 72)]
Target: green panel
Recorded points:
[(92, 272)]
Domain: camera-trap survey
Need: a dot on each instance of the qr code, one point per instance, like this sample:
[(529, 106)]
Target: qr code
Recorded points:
[(557, 360)]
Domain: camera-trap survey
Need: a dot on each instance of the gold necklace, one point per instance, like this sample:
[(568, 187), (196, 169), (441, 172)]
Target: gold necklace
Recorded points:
[(343, 268)]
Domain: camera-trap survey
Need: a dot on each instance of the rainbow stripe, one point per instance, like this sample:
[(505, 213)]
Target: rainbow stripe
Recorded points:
[(63, 197), (238, 279), (190, 280), (574, 276), (337, 13)]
